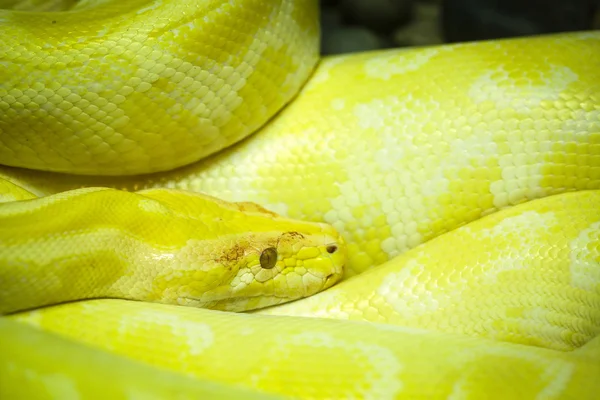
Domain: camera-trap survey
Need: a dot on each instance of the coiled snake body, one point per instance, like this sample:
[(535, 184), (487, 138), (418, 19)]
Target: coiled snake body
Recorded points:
[(464, 181)]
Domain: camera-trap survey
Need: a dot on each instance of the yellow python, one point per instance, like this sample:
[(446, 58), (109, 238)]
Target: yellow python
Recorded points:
[(463, 179)]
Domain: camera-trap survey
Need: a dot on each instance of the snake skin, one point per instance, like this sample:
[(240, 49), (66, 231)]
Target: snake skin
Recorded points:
[(462, 178)]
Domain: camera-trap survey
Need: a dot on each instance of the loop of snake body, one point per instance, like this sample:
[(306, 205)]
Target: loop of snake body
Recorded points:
[(173, 170)]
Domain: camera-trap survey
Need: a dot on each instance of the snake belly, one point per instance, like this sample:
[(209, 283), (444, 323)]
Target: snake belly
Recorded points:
[(412, 153)]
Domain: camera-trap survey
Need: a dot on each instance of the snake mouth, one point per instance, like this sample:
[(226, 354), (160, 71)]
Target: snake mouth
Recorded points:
[(330, 280), (333, 278)]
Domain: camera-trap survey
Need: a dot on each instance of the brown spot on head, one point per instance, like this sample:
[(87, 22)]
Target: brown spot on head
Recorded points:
[(231, 254), (289, 238), (296, 235)]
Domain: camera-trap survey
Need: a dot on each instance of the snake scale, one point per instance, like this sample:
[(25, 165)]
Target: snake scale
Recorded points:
[(430, 217)]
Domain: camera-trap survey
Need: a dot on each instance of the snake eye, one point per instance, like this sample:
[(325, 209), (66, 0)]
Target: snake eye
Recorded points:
[(268, 258)]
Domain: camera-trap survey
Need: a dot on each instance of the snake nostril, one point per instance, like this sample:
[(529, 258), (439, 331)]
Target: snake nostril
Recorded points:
[(331, 249)]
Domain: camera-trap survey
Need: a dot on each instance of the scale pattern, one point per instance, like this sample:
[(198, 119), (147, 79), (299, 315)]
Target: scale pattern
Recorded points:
[(320, 358), (395, 148), (443, 168), (527, 274), (100, 90), (83, 372)]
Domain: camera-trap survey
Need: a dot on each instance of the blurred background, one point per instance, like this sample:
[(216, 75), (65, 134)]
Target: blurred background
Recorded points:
[(362, 25)]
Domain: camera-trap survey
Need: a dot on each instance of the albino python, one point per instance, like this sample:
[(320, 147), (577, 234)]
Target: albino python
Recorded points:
[(166, 162)]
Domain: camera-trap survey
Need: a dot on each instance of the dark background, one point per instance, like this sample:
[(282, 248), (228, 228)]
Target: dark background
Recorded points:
[(361, 25)]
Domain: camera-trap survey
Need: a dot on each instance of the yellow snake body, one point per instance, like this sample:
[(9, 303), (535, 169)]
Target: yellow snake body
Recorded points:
[(464, 181), (210, 253), (145, 80)]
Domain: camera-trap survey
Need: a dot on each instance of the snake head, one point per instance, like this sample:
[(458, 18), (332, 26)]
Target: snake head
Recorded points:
[(280, 266), (248, 258)]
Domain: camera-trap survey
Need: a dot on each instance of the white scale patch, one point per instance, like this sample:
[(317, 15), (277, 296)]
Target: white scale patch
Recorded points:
[(338, 104), (523, 161), (528, 227), (526, 224), (153, 6), (152, 206), (323, 73), (559, 378), (381, 373), (396, 284), (585, 258), (505, 93), (557, 373), (135, 393), (279, 208), (508, 94), (198, 336), (396, 63), (60, 387), (410, 175)]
